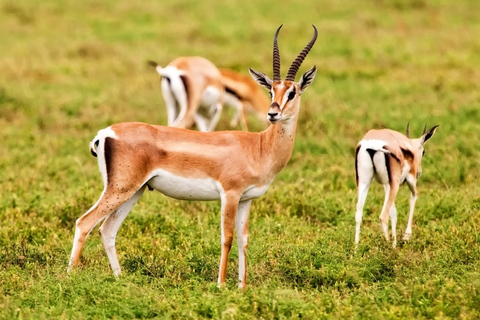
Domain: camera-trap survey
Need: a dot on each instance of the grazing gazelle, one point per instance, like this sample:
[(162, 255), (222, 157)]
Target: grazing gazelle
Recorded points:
[(231, 166), (193, 92), (392, 159), (243, 94)]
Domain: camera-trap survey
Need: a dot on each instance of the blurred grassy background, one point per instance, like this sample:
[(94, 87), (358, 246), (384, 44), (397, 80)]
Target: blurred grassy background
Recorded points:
[(69, 68)]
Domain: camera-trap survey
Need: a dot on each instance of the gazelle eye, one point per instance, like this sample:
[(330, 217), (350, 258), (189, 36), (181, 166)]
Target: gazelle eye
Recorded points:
[(291, 95), (423, 153)]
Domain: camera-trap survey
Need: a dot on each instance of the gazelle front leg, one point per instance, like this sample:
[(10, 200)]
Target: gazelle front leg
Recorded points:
[(412, 185), (230, 202), (241, 227)]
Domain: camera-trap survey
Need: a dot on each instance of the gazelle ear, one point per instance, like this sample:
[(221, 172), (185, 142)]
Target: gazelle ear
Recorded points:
[(261, 79), (429, 134), (307, 79)]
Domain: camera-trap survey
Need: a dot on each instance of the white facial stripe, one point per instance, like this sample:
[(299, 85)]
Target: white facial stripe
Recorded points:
[(285, 97)]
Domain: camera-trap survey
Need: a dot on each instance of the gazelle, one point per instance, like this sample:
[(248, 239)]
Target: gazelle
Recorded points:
[(231, 166), (193, 92), (243, 94), (392, 159)]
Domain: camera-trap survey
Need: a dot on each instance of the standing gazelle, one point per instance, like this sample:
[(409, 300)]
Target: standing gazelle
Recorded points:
[(231, 166), (193, 92), (392, 159)]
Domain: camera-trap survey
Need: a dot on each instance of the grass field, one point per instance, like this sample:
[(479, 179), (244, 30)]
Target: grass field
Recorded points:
[(69, 68)]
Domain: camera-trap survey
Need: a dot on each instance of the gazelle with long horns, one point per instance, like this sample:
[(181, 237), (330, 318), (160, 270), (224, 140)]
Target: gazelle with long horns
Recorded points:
[(392, 159), (231, 166), (193, 92)]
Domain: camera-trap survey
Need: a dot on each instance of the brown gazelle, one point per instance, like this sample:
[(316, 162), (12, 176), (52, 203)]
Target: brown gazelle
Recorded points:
[(392, 159), (244, 95), (193, 92), (231, 166)]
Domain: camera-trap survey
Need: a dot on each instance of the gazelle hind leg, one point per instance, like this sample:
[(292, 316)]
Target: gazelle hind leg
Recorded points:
[(383, 216), (216, 112), (109, 201), (362, 196), (170, 102), (241, 227), (393, 219), (364, 171), (108, 230)]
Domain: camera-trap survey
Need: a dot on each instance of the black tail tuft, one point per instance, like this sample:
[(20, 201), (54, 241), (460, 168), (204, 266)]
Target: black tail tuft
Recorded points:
[(93, 148), (152, 63)]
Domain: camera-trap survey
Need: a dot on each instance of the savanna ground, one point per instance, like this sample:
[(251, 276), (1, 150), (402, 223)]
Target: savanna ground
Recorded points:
[(69, 68)]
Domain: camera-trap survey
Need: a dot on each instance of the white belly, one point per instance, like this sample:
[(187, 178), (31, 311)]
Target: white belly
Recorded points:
[(210, 96), (185, 188), (196, 189)]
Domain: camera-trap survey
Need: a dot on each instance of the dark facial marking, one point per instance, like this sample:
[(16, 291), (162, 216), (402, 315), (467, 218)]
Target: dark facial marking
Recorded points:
[(291, 95)]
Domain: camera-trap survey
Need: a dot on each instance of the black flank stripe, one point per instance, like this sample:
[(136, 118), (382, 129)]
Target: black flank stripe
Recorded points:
[(356, 164), (233, 92), (108, 152), (187, 88), (387, 165)]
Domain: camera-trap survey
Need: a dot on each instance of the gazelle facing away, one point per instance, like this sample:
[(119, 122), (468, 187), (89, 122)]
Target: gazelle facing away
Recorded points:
[(392, 159), (243, 94), (193, 92), (231, 166)]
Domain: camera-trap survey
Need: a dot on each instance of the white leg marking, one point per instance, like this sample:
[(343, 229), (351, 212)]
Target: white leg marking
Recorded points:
[(110, 226), (241, 226)]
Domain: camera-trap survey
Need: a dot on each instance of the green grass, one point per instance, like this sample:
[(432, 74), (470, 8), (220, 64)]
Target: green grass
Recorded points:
[(70, 68)]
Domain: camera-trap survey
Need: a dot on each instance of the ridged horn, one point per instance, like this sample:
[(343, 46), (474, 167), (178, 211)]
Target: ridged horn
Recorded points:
[(276, 58), (408, 130), (424, 129), (292, 72)]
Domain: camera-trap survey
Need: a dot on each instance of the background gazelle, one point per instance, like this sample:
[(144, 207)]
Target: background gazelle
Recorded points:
[(244, 95), (392, 159), (231, 166), (193, 92)]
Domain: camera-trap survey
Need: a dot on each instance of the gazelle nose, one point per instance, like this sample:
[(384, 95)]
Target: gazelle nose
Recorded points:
[(272, 114)]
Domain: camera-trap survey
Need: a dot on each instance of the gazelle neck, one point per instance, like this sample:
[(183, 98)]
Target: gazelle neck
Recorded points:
[(278, 141)]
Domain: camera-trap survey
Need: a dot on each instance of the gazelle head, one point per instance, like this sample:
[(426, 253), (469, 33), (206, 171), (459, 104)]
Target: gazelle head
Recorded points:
[(418, 146), (285, 93)]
